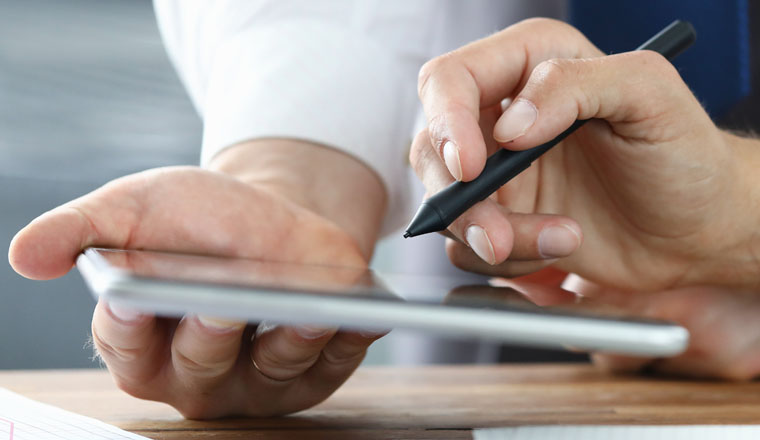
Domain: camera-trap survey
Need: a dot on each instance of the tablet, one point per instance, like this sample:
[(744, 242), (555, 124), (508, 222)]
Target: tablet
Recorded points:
[(170, 284)]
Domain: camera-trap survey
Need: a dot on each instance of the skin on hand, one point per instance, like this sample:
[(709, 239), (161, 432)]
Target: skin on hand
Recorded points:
[(722, 323), (659, 192), (204, 366)]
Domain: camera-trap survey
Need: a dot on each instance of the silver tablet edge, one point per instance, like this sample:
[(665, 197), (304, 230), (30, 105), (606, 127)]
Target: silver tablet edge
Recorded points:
[(622, 337)]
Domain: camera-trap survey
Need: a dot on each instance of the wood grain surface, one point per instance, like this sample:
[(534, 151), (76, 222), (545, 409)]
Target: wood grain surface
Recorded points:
[(421, 402)]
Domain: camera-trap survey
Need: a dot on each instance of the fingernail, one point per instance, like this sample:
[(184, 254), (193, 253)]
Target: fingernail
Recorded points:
[(125, 314), (451, 157), (309, 332), (515, 121), (220, 324), (479, 242), (505, 103), (558, 241)]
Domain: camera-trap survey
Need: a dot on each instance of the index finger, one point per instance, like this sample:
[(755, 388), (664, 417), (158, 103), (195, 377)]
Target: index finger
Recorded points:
[(454, 87)]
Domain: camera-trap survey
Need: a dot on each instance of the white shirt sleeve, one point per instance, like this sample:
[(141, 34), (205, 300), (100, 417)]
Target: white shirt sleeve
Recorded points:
[(340, 73)]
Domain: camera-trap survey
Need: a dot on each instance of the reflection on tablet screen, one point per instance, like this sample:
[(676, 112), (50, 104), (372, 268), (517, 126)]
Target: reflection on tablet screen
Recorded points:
[(307, 279)]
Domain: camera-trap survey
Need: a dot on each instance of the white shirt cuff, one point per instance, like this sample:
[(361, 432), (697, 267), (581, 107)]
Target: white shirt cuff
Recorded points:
[(307, 80)]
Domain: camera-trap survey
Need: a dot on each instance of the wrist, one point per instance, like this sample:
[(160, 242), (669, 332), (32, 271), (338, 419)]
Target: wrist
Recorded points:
[(325, 181), (737, 262), (748, 181)]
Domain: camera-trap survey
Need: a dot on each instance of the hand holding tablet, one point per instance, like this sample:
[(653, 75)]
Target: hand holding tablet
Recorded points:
[(204, 366)]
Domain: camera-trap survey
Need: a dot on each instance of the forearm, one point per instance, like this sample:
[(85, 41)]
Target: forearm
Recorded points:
[(328, 182)]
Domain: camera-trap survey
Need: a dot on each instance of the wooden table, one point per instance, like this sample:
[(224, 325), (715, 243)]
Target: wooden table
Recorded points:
[(421, 403)]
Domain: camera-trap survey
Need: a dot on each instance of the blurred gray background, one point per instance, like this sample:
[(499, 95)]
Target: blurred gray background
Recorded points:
[(87, 94)]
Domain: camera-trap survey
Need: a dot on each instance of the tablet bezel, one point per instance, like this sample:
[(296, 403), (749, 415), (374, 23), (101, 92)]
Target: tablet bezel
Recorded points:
[(556, 330)]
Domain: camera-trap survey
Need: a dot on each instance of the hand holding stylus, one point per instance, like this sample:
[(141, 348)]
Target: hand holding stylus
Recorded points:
[(649, 194)]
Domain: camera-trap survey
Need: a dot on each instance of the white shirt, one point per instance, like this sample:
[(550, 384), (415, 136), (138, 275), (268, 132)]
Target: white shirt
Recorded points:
[(340, 73)]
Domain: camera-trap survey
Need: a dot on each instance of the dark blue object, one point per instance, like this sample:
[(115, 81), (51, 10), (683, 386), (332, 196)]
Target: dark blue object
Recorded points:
[(717, 67)]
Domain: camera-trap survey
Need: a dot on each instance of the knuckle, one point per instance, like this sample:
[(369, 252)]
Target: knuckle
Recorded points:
[(440, 123), (551, 73), (438, 128), (652, 75), (107, 351), (276, 365), (565, 77), (650, 58), (204, 368), (337, 358), (417, 150), (543, 25), (657, 65), (421, 154), (428, 71)]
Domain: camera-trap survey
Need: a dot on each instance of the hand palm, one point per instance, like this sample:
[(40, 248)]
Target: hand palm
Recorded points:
[(197, 369)]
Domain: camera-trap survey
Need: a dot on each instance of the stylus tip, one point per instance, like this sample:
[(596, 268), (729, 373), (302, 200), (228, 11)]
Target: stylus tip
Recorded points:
[(407, 234)]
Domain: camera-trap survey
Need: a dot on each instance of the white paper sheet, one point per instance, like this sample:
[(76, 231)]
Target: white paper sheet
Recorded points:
[(574, 432), (25, 419)]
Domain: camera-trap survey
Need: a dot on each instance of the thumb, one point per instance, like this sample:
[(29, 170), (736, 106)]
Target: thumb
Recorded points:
[(181, 209), (639, 93), (49, 245)]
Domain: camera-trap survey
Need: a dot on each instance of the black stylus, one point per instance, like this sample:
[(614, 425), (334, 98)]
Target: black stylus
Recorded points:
[(437, 212)]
